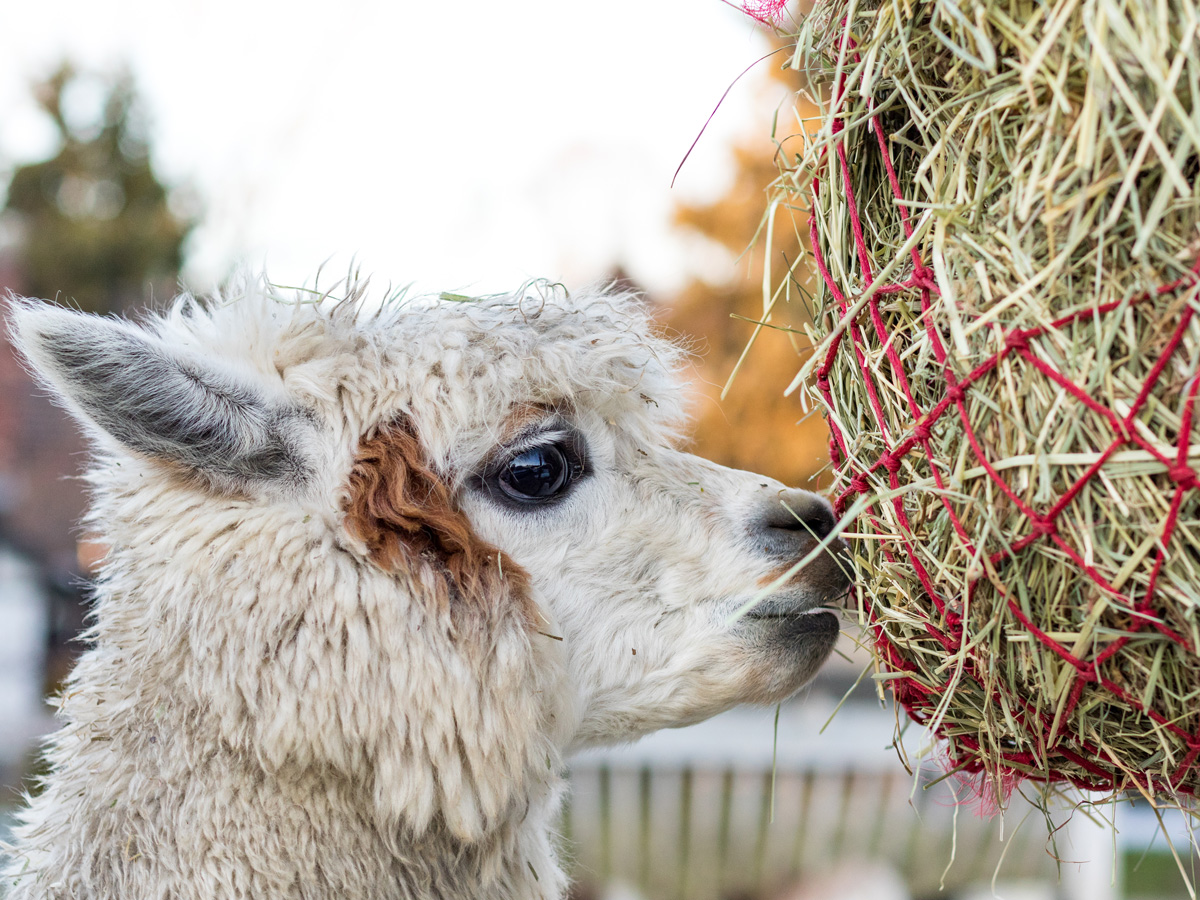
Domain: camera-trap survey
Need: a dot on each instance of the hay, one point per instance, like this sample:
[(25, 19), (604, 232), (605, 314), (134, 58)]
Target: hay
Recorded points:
[(1005, 205)]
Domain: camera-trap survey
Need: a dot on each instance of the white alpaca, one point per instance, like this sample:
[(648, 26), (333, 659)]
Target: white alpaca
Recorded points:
[(372, 575)]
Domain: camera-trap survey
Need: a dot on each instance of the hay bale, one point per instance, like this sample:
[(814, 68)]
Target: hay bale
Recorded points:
[(1005, 213)]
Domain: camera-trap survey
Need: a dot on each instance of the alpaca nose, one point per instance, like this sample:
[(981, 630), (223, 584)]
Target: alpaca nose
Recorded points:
[(790, 521)]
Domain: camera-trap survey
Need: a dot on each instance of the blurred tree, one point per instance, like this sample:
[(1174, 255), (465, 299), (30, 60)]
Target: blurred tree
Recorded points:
[(757, 427), (95, 224), (92, 225)]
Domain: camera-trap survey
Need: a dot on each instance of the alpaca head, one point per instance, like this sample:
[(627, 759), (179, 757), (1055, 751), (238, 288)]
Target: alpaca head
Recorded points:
[(429, 546)]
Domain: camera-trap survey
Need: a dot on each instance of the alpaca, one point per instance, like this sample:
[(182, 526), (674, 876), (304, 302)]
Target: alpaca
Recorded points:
[(373, 572)]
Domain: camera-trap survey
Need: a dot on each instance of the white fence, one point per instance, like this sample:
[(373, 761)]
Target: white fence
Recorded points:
[(724, 810)]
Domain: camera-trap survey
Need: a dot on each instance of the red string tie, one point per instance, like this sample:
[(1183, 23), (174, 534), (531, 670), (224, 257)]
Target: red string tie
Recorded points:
[(1016, 341), (859, 485), (891, 463), (923, 279), (1044, 527), (922, 432), (1183, 476), (822, 384), (956, 394)]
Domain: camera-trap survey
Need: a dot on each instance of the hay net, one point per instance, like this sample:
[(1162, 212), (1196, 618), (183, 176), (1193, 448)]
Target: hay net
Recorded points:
[(1004, 213)]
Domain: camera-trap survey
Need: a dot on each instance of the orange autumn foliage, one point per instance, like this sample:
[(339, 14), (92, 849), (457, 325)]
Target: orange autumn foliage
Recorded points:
[(756, 427)]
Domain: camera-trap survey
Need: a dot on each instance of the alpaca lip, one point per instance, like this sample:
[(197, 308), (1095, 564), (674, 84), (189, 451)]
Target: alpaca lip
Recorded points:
[(782, 609), (801, 624), (788, 615)]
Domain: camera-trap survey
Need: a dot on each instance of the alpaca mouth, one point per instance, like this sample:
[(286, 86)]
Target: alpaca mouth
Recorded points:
[(813, 630), (790, 605), (798, 616), (817, 621), (792, 618), (760, 613)]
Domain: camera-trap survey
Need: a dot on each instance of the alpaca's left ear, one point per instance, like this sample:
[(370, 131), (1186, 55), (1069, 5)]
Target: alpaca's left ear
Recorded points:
[(158, 400)]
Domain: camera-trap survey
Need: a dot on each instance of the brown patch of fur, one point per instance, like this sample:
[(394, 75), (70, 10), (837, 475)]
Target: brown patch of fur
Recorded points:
[(405, 514)]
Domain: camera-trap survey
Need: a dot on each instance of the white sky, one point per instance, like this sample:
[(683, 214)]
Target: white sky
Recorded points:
[(467, 145)]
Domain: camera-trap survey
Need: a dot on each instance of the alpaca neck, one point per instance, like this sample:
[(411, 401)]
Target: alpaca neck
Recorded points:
[(139, 804)]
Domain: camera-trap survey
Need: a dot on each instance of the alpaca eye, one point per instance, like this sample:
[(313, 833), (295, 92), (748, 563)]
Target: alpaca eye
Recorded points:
[(536, 475), (539, 469)]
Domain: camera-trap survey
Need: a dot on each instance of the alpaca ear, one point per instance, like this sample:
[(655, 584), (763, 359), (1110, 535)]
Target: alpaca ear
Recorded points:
[(130, 385)]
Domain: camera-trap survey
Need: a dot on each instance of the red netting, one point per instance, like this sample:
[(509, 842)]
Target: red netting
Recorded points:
[(867, 330), (769, 12)]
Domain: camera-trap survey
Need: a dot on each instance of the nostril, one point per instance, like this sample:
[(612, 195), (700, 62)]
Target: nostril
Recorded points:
[(793, 516)]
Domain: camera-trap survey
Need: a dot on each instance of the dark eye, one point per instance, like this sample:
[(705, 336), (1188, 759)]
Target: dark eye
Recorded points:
[(538, 474), (538, 469)]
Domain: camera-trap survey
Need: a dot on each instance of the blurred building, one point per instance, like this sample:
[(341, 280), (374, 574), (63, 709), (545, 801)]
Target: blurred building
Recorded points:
[(24, 614), (93, 226), (41, 581)]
